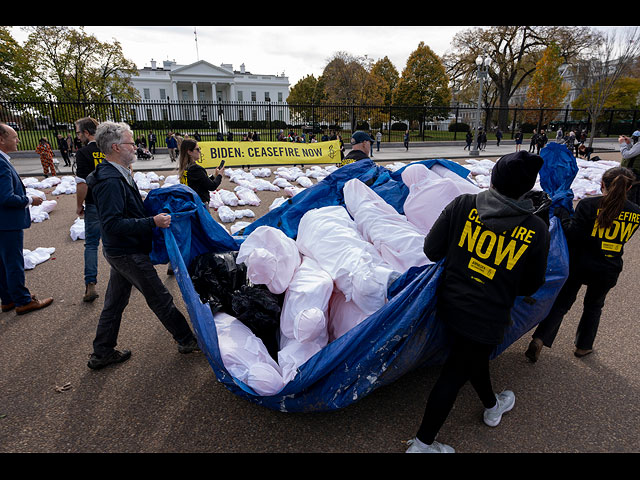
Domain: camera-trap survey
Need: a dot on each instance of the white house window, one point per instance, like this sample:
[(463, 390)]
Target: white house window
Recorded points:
[(266, 96), (239, 95), (147, 94), (279, 96), (163, 94), (253, 96)]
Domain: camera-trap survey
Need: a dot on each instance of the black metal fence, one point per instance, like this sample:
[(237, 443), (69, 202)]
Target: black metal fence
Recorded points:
[(273, 120)]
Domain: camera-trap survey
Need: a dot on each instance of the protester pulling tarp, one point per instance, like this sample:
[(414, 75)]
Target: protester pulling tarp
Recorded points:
[(399, 337)]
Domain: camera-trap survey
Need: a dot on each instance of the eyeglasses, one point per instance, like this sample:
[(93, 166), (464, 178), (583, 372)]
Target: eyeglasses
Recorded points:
[(127, 143)]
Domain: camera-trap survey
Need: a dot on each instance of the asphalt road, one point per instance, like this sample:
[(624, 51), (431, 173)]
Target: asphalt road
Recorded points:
[(163, 402)]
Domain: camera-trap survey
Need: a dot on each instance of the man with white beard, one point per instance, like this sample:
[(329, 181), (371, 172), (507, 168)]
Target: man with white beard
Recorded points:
[(126, 232)]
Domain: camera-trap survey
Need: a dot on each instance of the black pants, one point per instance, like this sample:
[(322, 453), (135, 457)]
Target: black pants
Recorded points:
[(597, 290), (467, 361), (136, 270)]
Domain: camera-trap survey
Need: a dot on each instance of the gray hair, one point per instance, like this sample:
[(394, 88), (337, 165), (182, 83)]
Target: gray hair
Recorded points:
[(108, 133)]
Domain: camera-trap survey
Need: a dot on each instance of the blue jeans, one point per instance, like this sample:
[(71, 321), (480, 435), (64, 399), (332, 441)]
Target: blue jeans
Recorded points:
[(91, 242), (12, 282), (136, 270)]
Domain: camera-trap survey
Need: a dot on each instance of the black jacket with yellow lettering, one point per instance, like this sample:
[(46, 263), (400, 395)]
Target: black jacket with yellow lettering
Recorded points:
[(495, 249), (595, 252)]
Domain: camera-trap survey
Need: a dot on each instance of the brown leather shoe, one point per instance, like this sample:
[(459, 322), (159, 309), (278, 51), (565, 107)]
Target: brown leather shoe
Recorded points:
[(34, 304), (8, 307), (533, 352), (582, 353), (90, 293)]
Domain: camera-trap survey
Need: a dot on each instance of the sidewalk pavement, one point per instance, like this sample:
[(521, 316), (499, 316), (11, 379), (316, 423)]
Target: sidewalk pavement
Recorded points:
[(28, 163)]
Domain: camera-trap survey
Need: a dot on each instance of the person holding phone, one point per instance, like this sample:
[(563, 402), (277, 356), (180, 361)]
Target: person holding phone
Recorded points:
[(194, 175)]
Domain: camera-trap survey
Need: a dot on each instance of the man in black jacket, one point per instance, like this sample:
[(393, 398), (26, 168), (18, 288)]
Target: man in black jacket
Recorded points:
[(360, 147), (126, 238), (495, 249)]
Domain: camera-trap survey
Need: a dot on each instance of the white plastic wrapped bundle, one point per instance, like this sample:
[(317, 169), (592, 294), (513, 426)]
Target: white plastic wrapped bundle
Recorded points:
[(66, 185), (398, 241), (304, 182), (77, 229), (261, 185), (261, 172), (215, 200), (226, 215), (271, 258), (236, 227), (281, 182), (247, 196), (228, 197), (293, 191), (436, 194), (171, 180), (277, 202), (36, 257), (293, 354), (40, 213), (330, 237), (245, 356), (33, 192), (306, 303), (289, 173), (343, 315), (244, 213)]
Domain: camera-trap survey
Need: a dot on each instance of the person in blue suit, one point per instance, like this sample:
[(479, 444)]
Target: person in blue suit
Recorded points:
[(14, 211)]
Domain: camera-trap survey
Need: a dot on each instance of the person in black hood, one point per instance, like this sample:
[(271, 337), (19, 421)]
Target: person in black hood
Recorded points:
[(126, 239), (596, 235), (494, 249)]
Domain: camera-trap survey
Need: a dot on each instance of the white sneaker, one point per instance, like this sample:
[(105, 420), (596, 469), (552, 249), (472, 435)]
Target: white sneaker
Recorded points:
[(504, 403), (416, 446)]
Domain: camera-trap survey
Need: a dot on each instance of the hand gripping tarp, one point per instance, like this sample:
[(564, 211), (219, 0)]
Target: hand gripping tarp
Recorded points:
[(401, 336)]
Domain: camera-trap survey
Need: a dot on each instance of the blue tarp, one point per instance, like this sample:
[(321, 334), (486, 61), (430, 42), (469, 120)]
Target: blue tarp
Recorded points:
[(401, 336), (557, 174)]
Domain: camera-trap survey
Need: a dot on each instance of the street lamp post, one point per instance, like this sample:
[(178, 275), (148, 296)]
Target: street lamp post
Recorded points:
[(483, 72)]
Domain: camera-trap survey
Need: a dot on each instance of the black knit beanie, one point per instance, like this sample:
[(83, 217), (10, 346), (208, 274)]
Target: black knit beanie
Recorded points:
[(516, 173)]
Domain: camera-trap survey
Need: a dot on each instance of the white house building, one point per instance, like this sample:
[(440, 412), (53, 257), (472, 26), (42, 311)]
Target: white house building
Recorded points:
[(204, 83)]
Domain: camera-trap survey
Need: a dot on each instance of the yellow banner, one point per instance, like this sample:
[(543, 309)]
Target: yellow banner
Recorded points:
[(268, 153)]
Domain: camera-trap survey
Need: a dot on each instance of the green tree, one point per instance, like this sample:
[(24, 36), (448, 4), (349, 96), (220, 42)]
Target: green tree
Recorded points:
[(546, 89), (304, 95), (423, 82), (74, 66), (514, 51), (600, 71), (16, 72), (385, 70), (308, 90)]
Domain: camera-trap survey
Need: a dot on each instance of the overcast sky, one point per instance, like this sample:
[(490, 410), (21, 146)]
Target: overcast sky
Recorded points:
[(271, 50)]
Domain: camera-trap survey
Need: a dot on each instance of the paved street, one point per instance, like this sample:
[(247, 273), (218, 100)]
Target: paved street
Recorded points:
[(162, 401)]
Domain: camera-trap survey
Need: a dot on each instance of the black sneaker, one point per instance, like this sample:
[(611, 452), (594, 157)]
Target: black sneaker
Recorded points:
[(96, 363), (189, 347)]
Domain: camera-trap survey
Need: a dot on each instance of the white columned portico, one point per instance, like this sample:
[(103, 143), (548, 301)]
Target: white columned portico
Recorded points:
[(214, 96), (194, 86), (174, 87)]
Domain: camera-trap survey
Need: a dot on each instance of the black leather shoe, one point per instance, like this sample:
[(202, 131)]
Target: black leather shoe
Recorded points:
[(189, 347), (96, 363)]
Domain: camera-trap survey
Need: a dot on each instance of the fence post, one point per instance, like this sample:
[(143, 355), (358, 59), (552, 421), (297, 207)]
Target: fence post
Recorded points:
[(455, 125), (389, 126), (53, 117), (513, 124)]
